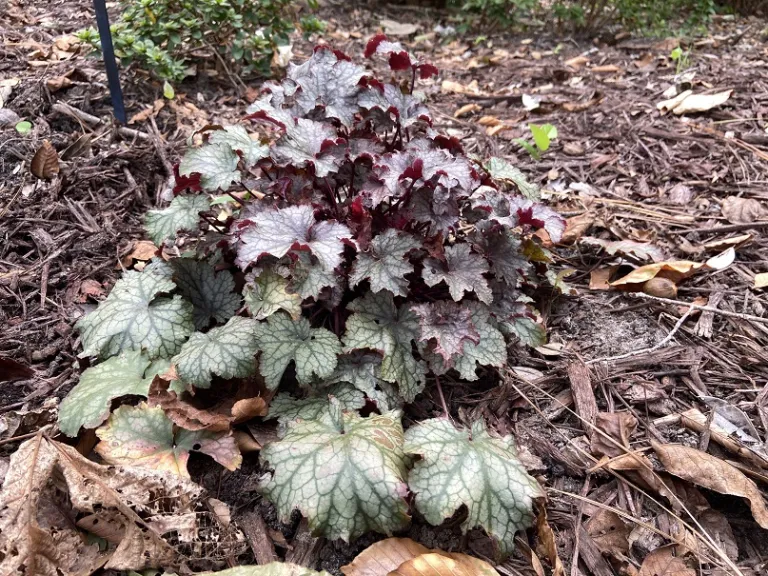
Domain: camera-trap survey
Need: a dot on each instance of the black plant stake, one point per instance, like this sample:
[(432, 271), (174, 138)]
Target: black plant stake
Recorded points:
[(113, 77)]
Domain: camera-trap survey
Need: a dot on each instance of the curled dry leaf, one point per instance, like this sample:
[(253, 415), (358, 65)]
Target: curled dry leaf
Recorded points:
[(687, 102), (466, 110), (576, 227), (739, 210), (674, 270), (609, 532), (661, 562), (547, 546), (36, 534), (449, 86), (619, 426), (630, 248), (709, 472), (437, 564), (45, 162)]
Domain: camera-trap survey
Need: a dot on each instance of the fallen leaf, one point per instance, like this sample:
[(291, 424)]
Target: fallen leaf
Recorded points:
[(384, 556), (45, 162), (701, 102), (739, 210), (609, 532), (661, 288), (761, 280), (395, 28), (489, 121), (466, 110), (576, 227), (723, 243), (712, 473), (600, 278), (674, 270), (143, 250), (637, 250), (606, 69), (11, 370), (530, 103), (58, 83), (577, 62), (619, 426), (148, 112), (716, 525), (443, 564), (547, 545), (493, 130), (680, 194), (661, 563), (573, 149), (449, 86), (673, 102)]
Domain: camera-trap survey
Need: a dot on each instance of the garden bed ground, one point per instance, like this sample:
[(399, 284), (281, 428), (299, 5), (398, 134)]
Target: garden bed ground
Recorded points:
[(619, 170)]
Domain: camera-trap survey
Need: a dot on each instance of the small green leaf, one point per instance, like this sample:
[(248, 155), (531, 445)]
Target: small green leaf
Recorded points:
[(136, 317), (458, 468), (377, 324), (216, 164), (24, 127), (282, 340), (211, 293), (143, 436), (345, 483), (87, 404), (530, 332), (182, 214), (267, 292), (228, 351), (528, 147), (168, 92), (543, 135)]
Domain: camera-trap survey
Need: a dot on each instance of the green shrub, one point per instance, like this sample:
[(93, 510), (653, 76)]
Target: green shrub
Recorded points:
[(162, 35)]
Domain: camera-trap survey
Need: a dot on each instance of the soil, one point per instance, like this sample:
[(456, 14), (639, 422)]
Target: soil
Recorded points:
[(633, 173)]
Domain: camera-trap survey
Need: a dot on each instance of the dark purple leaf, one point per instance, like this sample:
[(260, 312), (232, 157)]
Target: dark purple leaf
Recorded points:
[(446, 326)]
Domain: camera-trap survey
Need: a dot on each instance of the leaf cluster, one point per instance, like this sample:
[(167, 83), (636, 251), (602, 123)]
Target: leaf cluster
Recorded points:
[(351, 252), (160, 35)]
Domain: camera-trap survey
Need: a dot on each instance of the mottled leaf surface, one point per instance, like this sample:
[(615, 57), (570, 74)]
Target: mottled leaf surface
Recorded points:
[(447, 326), (503, 171), (286, 408), (211, 293), (462, 271), (267, 292), (182, 214), (283, 340), (87, 404), (143, 436), (307, 143), (385, 264), (406, 109), (216, 164), (346, 483), (491, 350), (136, 317), (474, 469), (276, 232), (228, 351), (377, 324), (363, 371), (238, 139)]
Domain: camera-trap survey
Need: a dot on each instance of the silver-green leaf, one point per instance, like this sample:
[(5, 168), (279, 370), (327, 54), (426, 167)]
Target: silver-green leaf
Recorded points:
[(211, 293), (266, 292), (283, 340), (237, 138), (385, 264), (136, 317), (472, 469), (182, 214), (228, 351), (346, 483), (216, 164), (87, 404), (286, 408), (377, 324)]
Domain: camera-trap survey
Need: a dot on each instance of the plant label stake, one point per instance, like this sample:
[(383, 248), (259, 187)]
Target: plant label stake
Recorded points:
[(108, 51)]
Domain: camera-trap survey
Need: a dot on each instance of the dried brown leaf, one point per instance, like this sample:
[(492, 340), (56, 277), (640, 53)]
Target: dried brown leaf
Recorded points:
[(547, 545), (609, 532), (739, 210), (716, 525), (576, 227), (441, 564), (637, 250), (45, 162), (661, 563), (706, 471), (143, 250), (466, 110), (619, 426), (674, 270), (384, 556)]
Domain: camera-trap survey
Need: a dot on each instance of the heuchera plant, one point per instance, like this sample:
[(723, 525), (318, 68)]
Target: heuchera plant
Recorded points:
[(374, 256)]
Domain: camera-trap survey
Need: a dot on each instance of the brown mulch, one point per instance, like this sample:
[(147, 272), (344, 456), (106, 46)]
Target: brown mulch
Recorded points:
[(618, 166)]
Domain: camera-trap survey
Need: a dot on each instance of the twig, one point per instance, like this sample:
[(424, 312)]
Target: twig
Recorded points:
[(91, 120), (661, 344), (722, 229), (739, 315), (442, 397)]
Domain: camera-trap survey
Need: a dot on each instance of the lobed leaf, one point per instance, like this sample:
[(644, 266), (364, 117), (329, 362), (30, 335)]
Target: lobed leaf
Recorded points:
[(345, 482), (216, 164), (377, 324), (135, 317), (228, 351), (283, 340), (384, 264), (211, 293), (182, 214), (447, 326), (267, 292), (238, 139), (287, 409), (472, 469), (143, 436), (462, 271)]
